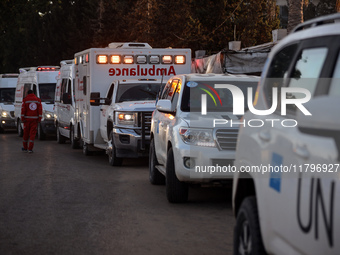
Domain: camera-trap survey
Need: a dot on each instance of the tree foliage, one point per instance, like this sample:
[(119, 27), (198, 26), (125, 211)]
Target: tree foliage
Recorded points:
[(44, 32)]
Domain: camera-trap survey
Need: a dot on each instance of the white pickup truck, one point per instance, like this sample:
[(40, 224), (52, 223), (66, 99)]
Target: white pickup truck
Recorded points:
[(125, 118)]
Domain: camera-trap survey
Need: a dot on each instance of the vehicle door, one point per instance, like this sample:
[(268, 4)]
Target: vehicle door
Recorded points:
[(165, 121), (286, 151), (104, 112)]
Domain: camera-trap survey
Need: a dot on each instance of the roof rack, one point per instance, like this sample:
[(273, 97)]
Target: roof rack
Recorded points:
[(317, 22)]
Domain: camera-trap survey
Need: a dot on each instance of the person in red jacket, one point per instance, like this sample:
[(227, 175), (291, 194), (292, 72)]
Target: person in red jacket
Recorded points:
[(31, 114)]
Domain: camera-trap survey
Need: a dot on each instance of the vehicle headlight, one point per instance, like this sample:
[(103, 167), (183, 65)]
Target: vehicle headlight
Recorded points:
[(48, 115), (5, 114), (198, 137), (126, 118)]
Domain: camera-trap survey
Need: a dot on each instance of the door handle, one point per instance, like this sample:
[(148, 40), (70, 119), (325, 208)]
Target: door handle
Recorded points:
[(301, 151), (265, 136)]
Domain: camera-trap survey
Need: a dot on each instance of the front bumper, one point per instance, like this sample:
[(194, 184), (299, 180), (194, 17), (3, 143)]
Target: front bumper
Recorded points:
[(48, 126), (6, 123), (129, 144), (208, 164)]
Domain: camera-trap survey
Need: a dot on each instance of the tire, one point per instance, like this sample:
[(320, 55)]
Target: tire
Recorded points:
[(74, 142), (19, 129), (247, 233), (40, 133), (176, 191), (60, 139), (113, 159), (155, 177)]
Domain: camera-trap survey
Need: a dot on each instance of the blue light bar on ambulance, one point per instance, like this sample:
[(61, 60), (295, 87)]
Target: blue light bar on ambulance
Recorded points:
[(101, 59)]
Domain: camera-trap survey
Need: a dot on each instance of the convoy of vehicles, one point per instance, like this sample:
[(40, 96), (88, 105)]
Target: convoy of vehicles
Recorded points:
[(42, 80), (279, 144), (286, 192), (103, 72), (8, 84), (188, 146)]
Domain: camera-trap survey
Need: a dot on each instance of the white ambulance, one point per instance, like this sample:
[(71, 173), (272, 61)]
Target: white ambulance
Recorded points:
[(8, 83), (64, 105), (96, 69), (42, 80)]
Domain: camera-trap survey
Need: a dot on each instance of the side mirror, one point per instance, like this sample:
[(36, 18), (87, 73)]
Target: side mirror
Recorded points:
[(325, 119), (95, 99), (67, 98), (164, 105)]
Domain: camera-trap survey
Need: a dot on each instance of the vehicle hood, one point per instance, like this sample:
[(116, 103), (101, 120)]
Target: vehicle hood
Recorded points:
[(6, 107), (136, 106), (47, 107), (211, 120)]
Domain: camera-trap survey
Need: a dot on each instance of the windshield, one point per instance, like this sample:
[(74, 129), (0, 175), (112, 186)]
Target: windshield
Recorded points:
[(137, 92), (218, 100), (46, 92), (7, 95)]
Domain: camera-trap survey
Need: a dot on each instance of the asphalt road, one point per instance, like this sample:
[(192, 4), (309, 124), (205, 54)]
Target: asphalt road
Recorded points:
[(58, 201)]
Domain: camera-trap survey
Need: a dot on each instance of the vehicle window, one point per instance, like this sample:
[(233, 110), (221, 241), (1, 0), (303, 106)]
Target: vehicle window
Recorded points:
[(34, 89), (110, 93), (84, 85), (175, 90), (166, 90), (306, 72), (277, 70), (27, 87), (137, 92), (69, 86), (334, 88), (46, 91), (7, 95), (218, 99)]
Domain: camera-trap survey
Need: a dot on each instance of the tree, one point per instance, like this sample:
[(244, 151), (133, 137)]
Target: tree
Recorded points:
[(295, 13)]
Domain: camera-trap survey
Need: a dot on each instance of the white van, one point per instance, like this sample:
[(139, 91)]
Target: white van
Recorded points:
[(42, 80), (8, 83), (64, 105), (97, 68)]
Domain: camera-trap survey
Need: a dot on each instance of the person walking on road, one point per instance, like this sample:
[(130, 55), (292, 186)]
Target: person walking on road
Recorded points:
[(31, 114)]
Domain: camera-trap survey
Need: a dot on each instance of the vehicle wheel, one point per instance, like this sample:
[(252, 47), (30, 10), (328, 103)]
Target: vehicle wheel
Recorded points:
[(86, 150), (40, 133), (155, 176), (20, 130), (113, 160), (176, 191), (247, 234), (74, 142)]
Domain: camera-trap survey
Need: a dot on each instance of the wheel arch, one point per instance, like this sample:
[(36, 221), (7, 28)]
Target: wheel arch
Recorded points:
[(245, 188)]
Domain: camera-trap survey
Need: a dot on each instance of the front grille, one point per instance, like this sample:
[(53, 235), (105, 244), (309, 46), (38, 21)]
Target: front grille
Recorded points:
[(226, 138), (147, 122), (12, 114)]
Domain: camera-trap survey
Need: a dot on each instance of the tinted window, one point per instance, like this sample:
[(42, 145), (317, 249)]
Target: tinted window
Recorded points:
[(46, 92), (7, 95), (334, 89), (218, 99), (137, 92), (306, 72)]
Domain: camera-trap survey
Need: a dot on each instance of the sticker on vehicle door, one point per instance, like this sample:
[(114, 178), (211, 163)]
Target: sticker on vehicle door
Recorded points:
[(275, 176)]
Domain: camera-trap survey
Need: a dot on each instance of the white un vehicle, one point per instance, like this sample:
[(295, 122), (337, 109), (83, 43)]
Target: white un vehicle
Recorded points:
[(115, 91), (42, 80), (287, 194), (191, 146), (8, 84)]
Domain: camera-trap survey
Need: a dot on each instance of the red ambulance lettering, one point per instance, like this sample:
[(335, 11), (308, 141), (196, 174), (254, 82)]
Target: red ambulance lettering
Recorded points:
[(153, 71)]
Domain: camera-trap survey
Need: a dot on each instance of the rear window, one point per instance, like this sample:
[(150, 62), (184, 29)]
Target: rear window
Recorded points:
[(218, 100)]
